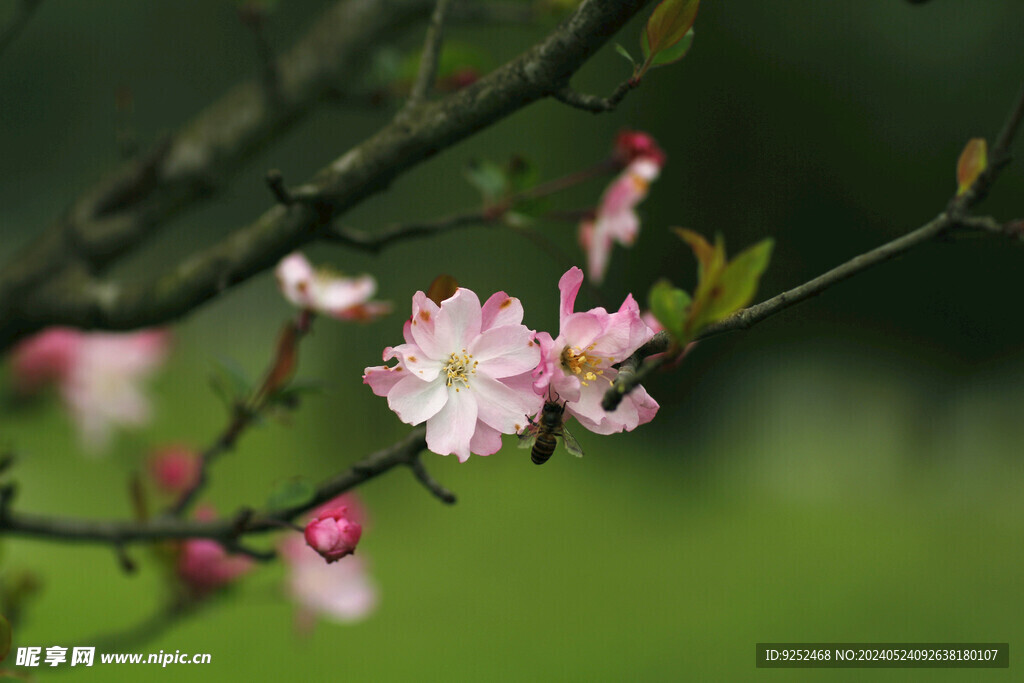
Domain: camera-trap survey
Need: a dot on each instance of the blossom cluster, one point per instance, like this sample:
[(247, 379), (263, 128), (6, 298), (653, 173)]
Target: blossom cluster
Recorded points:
[(473, 372), (100, 376)]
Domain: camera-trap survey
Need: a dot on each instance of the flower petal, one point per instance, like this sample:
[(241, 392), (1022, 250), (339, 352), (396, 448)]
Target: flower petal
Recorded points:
[(569, 286), (381, 378), (458, 323), (501, 309), (294, 274), (451, 430), (486, 440), (414, 400), (335, 294), (505, 351), (503, 407)]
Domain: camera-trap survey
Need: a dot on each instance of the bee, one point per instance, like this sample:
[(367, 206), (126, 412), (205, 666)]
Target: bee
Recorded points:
[(542, 434)]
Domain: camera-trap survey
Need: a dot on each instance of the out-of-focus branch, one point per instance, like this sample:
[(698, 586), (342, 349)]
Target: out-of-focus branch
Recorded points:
[(636, 369), (22, 15), (83, 301), (430, 56), (125, 209), (226, 531)]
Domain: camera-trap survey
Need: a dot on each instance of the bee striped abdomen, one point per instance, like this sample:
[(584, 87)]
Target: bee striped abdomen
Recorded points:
[(543, 447)]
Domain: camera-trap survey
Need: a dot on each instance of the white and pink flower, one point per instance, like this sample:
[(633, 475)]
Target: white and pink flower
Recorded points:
[(101, 376), (616, 219), (343, 591), (464, 370), (105, 386), (576, 367), (327, 293)]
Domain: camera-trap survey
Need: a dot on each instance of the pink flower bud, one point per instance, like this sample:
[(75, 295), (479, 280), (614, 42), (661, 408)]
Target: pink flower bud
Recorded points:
[(204, 566), (333, 534), (631, 145), (174, 469)]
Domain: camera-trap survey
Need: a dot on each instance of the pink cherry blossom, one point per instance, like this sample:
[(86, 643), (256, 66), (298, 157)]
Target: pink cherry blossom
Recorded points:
[(464, 370), (174, 469), (103, 388), (342, 592), (576, 367), (44, 358), (324, 292), (616, 219), (333, 534)]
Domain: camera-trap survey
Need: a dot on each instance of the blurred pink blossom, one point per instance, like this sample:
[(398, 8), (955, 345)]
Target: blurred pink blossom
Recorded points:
[(464, 370), (104, 387), (320, 291), (631, 145), (100, 376), (616, 219), (174, 469), (576, 367), (44, 358), (204, 566), (342, 591)]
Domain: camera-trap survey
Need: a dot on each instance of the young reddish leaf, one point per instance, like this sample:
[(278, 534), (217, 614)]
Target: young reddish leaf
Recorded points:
[(669, 23), (668, 55), (973, 161), (669, 305), (738, 281), (443, 287), (285, 362)]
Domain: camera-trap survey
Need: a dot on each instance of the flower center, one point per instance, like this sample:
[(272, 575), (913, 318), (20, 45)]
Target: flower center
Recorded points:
[(459, 367), (579, 362)]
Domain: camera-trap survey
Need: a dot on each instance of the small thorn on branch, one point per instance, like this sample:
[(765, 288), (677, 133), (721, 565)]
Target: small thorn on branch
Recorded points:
[(275, 181), (432, 485), (124, 560)]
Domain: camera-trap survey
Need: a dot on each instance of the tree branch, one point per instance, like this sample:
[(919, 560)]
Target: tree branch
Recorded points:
[(593, 103), (125, 209), (430, 57), (82, 301), (226, 531)]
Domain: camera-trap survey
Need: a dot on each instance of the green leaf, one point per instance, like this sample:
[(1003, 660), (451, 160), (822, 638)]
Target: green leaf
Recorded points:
[(737, 284), (487, 177), (290, 493), (669, 305), (669, 23), (668, 55), (625, 53)]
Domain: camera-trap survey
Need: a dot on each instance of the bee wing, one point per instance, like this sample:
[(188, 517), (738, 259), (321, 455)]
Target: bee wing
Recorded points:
[(571, 444), (528, 436)]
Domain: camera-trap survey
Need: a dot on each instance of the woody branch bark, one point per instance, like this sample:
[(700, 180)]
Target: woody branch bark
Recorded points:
[(80, 299), (195, 162)]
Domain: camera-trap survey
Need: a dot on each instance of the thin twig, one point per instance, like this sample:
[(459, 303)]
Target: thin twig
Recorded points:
[(374, 242), (431, 55), (432, 485), (633, 373), (593, 103), (225, 530), (22, 15)]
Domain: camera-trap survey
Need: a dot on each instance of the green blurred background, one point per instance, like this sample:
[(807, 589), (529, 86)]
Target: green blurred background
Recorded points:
[(846, 471)]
